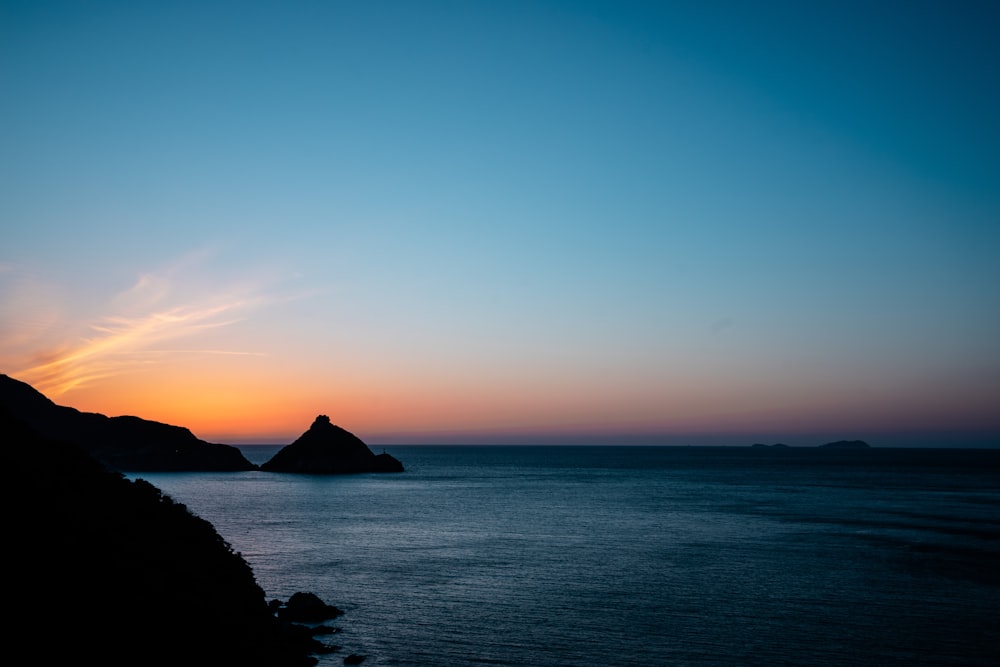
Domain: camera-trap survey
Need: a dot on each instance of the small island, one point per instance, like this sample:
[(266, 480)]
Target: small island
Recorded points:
[(846, 444), (327, 449)]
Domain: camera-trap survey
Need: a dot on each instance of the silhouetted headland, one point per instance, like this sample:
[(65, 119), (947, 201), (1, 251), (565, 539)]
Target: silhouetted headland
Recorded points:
[(113, 572), (327, 449), (846, 444), (128, 444), (778, 445)]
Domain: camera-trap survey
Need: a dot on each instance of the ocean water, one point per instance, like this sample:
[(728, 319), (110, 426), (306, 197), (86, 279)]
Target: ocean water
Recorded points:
[(632, 555)]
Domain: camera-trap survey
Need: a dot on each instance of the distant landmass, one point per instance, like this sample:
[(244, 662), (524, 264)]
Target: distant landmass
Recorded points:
[(128, 444), (840, 444), (846, 444), (327, 449)]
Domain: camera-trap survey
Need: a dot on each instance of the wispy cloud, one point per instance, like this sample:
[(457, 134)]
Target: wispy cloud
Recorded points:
[(142, 320), (123, 343)]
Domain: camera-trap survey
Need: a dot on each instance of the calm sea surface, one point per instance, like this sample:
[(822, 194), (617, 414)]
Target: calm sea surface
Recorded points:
[(632, 555)]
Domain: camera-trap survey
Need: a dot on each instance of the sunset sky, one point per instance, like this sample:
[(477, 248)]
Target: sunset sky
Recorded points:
[(686, 223)]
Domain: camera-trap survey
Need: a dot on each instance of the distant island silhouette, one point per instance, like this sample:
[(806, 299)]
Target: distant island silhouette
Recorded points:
[(846, 444), (839, 444), (327, 449)]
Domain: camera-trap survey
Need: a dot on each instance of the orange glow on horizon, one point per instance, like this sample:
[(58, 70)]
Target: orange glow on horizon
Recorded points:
[(236, 403)]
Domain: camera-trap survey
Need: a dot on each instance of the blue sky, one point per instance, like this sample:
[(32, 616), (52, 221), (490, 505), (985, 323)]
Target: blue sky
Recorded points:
[(709, 221)]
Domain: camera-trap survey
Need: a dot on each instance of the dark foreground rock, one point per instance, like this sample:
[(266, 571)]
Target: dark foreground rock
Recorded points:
[(327, 449), (307, 608), (109, 571), (126, 443)]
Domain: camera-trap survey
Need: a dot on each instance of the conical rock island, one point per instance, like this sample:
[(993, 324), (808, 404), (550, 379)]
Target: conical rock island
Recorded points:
[(327, 449)]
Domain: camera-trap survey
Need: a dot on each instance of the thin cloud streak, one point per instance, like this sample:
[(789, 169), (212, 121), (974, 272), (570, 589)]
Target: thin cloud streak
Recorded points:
[(123, 343)]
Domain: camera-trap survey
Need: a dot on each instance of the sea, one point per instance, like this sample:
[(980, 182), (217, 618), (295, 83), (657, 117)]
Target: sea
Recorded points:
[(587, 555)]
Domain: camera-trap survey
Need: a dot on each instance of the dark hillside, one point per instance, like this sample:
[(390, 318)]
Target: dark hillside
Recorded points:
[(125, 443), (107, 571)]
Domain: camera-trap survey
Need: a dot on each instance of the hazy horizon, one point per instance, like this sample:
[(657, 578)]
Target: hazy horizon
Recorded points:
[(919, 441), (507, 221)]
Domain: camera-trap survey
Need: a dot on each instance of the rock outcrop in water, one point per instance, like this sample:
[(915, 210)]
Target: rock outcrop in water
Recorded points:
[(307, 608), (327, 449), (113, 572), (124, 443)]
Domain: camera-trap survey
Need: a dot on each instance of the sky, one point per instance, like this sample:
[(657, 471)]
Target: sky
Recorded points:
[(507, 222)]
